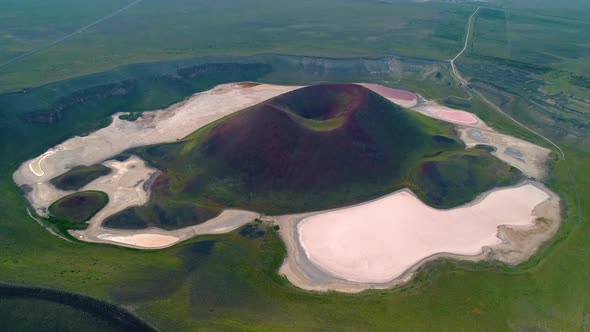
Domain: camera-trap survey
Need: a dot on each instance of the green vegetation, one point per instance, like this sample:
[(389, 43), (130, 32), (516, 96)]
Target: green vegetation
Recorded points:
[(580, 81), (536, 56), (187, 29), (229, 282), (184, 288), (79, 176), (132, 116), (315, 148), (22, 309), (78, 207), (25, 314), (457, 178)]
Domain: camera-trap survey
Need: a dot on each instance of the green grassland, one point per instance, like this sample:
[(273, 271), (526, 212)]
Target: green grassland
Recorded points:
[(540, 58), (42, 309), (229, 282), (235, 285), (186, 29), (25, 314), (27, 25)]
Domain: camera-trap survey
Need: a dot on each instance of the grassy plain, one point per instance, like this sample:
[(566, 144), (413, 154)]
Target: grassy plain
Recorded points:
[(42, 309), (234, 284), (326, 28), (25, 314), (230, 282), (538, 57)]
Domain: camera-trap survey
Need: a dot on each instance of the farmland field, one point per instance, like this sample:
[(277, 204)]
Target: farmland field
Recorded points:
[(530, 58)]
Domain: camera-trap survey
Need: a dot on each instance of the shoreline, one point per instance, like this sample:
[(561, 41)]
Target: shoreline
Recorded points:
[(227, 221), (305, 274), (202, 108)]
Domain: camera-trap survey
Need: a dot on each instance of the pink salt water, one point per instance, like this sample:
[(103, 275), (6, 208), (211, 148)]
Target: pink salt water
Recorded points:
[(379, 240), (453, 115)]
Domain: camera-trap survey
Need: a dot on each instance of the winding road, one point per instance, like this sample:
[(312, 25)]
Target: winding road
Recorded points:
[(465, 83), (468, 34)]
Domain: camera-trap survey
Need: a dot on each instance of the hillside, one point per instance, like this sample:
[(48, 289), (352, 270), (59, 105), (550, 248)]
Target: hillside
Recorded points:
[(315, 148), (79, 176)]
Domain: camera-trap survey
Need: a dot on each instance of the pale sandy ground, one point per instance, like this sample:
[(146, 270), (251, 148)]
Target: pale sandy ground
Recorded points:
[(156, 238), (126, 187), (382, 243), (168, 125), (529, 158), (154, 127), (141, 240), (123, 186), (161, 126)]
